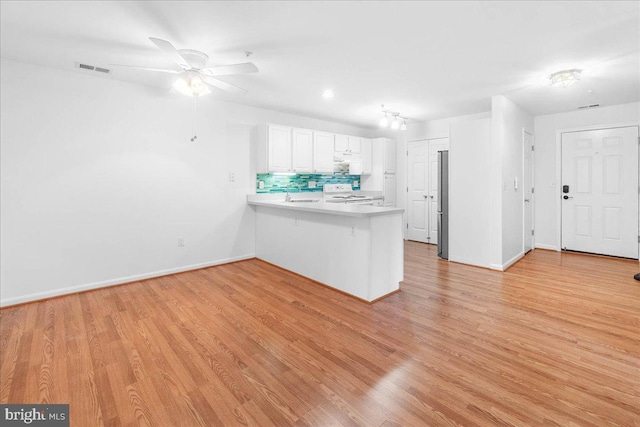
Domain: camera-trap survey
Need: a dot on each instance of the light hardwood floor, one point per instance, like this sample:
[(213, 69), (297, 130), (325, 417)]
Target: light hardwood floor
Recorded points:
[(554, 341)]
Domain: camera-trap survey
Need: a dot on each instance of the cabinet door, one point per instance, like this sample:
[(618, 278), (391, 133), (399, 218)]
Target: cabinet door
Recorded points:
[(341, 143), (323, 152), (302, 142), (389, 190), (279, 149), (389, 156), (354, 144), (365, 154)]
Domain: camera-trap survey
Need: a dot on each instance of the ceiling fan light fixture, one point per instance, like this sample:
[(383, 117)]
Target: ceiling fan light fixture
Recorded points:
[(565, 78), (403, 126), (191, 84)]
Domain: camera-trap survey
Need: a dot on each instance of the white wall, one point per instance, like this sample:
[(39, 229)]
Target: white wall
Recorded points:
[(508, 123), (99, 180), (431, 129), (547, 166), (469, 183)]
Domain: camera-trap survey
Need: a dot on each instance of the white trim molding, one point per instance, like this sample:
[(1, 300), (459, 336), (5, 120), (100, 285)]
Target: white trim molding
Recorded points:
[(119, 281)]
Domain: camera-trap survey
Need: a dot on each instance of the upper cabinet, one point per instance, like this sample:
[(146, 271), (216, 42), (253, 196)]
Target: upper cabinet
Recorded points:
[(279, 149), (389, 156), (282, 149), (365, 155), (347, 144), (302, 150), (323, 144)]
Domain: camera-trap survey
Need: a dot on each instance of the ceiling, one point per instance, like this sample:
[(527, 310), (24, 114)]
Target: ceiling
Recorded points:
[(428, 60)]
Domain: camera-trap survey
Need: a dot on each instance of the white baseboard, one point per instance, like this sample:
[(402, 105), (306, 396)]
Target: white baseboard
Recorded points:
[(497, 267), (543, 246), (512, 261), (468, 262), (119, 281)]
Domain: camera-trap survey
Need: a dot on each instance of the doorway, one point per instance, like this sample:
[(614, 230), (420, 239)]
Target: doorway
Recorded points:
[(422, 189), (599, 191)]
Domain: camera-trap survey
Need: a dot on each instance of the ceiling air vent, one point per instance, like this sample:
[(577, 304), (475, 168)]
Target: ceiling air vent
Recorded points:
[(583, 107), (92, 68)]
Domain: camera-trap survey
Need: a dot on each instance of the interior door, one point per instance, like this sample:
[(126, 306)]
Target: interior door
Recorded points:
[(435, 145), (528, 193), (417, 197), (600, 191)]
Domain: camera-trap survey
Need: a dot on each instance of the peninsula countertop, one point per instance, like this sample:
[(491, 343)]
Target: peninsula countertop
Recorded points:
[(320, 206)]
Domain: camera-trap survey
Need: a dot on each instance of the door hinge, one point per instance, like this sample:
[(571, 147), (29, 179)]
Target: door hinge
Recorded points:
[(407, 189), (533, 190), (533, 232), (407, 226), (533, 148), (638, 239), (407, 152)]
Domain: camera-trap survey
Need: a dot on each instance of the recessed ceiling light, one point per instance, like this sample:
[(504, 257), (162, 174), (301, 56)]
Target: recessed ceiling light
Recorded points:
[(327, 94)]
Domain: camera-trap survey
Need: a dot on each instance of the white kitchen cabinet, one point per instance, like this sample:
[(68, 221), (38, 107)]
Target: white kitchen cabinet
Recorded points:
[(354, 144), (383, 162), (341, 143), (365, 155), (347, 144), (378, 202), (389, 156), (302, 150), (279, 149), (323, 145), (389, 190)]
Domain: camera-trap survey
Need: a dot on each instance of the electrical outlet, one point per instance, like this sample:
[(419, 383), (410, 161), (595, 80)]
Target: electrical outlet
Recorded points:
[(261, 185), (311, 184), (232, 177), (181, 242), (355, 183)]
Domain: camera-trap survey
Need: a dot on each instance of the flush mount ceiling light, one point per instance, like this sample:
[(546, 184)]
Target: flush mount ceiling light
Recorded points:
[(395, 122), (565, 78), (327, 94)]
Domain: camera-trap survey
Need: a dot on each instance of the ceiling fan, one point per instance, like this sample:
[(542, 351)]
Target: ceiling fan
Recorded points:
[(195, 78)]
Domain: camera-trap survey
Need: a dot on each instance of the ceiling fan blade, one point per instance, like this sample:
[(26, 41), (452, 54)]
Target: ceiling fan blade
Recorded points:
[(168, 48), (222, 85), (225, 70), (160, 70)]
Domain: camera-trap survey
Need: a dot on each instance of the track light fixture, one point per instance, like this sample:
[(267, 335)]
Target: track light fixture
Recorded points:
[(395, 119)]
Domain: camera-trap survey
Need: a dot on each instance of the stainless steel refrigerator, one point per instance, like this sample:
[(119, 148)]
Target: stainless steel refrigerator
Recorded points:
[(443, 204)]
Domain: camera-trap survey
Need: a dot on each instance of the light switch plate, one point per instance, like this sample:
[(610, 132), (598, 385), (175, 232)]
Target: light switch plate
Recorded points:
[(261, 185), (311, 184)]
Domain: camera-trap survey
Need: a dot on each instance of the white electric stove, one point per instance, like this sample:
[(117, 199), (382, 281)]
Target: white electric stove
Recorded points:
[(343, 193)]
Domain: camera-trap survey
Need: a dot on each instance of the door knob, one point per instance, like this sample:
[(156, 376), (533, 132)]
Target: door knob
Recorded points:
[(567, 197), (425, 196), (527, 200)]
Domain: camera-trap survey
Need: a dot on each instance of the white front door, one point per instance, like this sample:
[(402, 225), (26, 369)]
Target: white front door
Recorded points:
[(417, 198), (600, 191), (527, 187), (435, 145)]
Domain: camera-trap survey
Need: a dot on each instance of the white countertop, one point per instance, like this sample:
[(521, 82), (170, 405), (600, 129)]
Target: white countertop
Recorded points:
[(345, 209)]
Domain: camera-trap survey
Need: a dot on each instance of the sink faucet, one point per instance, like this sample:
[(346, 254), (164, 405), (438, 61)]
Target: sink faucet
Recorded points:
[(288, 196)]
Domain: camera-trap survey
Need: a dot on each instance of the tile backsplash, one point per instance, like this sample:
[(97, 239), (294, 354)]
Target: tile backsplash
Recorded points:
[(277, 183)]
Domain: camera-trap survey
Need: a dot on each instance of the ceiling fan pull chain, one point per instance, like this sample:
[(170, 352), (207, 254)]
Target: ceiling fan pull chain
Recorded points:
[(193, 123)]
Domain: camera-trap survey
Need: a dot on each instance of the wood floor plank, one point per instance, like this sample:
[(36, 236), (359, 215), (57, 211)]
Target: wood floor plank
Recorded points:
[(553, 341)]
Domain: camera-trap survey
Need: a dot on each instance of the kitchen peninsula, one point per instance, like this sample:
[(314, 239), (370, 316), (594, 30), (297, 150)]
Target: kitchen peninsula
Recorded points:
[(357, 249)]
